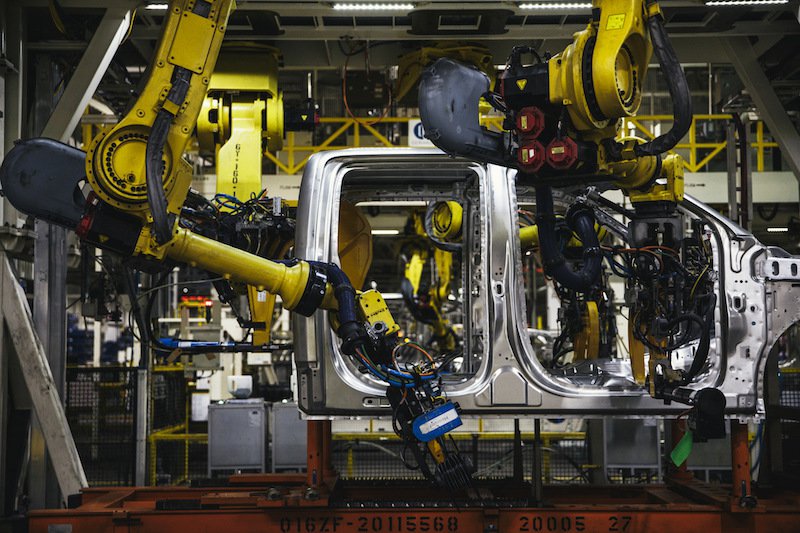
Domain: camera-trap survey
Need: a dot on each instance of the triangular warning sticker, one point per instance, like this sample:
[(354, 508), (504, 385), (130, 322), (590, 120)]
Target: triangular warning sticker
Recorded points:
[(304, 117), (522, 83)]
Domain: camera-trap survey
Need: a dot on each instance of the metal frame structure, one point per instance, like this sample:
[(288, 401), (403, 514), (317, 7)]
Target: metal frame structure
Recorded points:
[(314, 503), (294, 156), (756, 288), (34, 367)]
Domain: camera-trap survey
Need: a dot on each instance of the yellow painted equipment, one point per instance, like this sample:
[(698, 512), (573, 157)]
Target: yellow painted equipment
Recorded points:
[(447, 218), (618, 67), (115, 160), (355, 243), (372, 308), (240, 118), (411, 65)]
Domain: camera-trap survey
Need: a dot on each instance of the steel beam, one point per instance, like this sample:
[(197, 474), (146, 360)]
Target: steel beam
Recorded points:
[(39, 383), (744, 59), (87, 75), (514, 33), (13, 77)]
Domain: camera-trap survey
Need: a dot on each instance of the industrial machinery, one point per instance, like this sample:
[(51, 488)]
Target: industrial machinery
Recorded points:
[(137, 204), (500, 369), (129, 194), (241, 117), (562, 121), (424, 254)]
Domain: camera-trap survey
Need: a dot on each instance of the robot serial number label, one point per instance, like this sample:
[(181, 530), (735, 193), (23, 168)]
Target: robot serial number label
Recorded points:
[(369, 524), (569, 523)]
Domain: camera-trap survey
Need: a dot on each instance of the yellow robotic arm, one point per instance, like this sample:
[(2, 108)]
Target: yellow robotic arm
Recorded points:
[(427, 307), (136, 166)]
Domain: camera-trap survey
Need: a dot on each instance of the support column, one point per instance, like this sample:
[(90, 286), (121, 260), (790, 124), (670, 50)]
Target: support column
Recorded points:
[(315, 464), (741, 495), (745, 61)]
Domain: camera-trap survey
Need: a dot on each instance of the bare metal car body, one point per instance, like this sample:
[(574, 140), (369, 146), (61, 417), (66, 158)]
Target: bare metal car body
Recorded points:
[(758, 290)]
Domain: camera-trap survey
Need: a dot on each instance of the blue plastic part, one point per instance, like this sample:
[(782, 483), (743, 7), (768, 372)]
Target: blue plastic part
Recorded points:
[(436, 422), (173, 343)]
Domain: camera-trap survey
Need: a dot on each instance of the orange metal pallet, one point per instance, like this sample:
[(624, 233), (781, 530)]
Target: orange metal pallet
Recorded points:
[(316, 503)]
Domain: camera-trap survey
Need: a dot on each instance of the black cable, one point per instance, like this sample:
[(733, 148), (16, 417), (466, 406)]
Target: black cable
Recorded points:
[(701, 353), (156, 197), (148, 315), (581, 220), (136, 312), (678, 91)]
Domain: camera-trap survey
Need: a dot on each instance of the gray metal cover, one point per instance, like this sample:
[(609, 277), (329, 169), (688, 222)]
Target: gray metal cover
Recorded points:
[(288, 432), (237, 434)]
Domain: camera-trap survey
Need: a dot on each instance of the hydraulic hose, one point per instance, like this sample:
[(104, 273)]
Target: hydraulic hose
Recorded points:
[(350, 329), (701, 353), (156, 198), (678, 91), (581, 221)]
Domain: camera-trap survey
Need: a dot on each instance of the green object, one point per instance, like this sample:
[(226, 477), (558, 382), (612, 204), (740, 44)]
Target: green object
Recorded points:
[(682, 450)]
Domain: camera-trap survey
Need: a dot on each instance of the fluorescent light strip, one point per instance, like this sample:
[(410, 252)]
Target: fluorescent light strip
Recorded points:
[(157, 7), (556, 5), (777, 230), (745, 2), (386, 232), (373, 7)]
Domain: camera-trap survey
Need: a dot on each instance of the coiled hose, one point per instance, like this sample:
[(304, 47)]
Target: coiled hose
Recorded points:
[(581, 221)]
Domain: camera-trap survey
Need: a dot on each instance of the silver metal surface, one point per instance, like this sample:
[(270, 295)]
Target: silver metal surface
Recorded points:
[(507, 377), (39, 383), (631, 444), (288, 437), (14, 34), (142, 406), (237, 435)]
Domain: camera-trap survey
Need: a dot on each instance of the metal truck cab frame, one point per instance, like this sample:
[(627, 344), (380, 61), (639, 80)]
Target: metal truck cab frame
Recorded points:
[(758, 291)]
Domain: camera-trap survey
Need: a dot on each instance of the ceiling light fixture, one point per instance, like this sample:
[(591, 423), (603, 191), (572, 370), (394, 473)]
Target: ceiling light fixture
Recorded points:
[(777, 230), (157, 7), (374, 6), (386, 232), (725, 3), (542, 6)]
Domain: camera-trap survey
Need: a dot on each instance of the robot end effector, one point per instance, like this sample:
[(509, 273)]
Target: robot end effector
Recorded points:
[(562, 112), (561, 126)]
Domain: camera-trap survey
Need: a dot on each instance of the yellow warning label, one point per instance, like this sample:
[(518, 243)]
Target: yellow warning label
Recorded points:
[(304, 117), (615, 22), (521, 84), (523, 122)]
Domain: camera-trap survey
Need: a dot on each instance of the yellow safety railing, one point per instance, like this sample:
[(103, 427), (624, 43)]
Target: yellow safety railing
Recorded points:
[(644, 125), (347, 125), (697, 154), (177, 433)]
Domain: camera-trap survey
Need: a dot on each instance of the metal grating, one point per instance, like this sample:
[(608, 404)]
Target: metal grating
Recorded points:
[(168, 399), (789, 384), (100, 406), (370, 458), (180, 462)]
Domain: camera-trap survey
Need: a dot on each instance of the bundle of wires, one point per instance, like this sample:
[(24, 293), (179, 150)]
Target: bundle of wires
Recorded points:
[(404, 377)]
